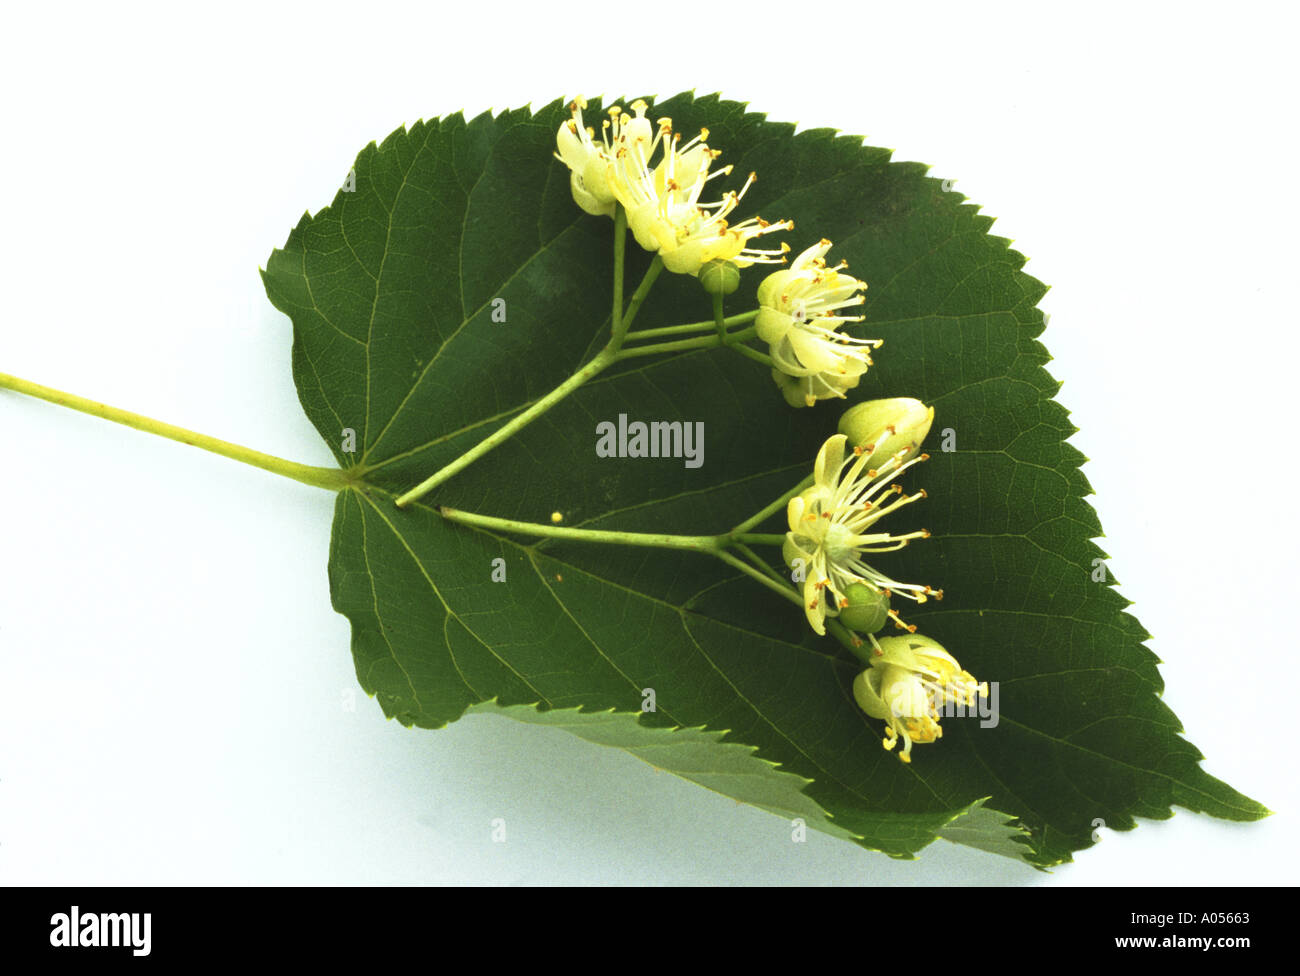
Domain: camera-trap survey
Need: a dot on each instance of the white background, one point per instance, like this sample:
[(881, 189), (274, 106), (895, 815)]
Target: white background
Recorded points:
[(173, 682)]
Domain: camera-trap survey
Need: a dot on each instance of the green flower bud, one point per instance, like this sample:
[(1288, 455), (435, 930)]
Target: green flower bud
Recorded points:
[(868, 608), (886, 427), (719, 277)]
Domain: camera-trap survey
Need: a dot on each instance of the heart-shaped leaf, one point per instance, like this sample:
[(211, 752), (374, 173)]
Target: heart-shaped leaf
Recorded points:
[(453, 282)]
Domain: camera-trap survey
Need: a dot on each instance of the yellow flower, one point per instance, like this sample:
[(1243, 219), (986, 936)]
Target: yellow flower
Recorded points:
[(663, 200), (910, 680), (800, 311), (829, 525)]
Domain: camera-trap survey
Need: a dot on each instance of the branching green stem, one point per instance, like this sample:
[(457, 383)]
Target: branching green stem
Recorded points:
[(691, 543), (720, 546), (599, 363), (758, 538), (712, 544), (754, 354), (735, 340), (752, 572), (764, 514), (618, 325), (758, 561), (684, 345), (856, 645), (690, 327), (643, 289)]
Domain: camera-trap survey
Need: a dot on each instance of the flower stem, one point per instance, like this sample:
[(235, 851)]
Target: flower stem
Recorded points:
[(719, 320), (748, 570), (715, 545), (762, 516), (758, 538), (680, 345), (618, 328), (693, 543), (754, 354), (856, 645), (598, 364), (691, 327), (601, 361), (683, 345), (757, 561), (643, 289), (332, 479)]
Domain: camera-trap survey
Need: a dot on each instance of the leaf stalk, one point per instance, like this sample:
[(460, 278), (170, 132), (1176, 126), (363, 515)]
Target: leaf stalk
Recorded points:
[(331, 479)]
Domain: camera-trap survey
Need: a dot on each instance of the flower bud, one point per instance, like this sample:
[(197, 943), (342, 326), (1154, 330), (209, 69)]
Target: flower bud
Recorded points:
[(868, 608), (719, 277), (887, 427)]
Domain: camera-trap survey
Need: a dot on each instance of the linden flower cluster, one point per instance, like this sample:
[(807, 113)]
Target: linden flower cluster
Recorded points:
[(641, 170), (800, 309), (910, 680), (663, 200)]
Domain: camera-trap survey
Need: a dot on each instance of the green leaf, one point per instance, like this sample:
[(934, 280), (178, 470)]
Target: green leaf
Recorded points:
[(733, 770), (392, 290), (698, 755), (987, 830)]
